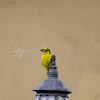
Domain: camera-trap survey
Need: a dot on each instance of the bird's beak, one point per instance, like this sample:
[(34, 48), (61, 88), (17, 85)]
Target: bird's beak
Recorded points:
[(41, 50)]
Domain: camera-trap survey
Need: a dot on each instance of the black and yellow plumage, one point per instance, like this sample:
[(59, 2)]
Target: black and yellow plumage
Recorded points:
[(46, 57)]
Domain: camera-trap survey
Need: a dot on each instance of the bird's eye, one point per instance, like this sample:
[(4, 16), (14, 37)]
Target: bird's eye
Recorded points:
[(45, 50)]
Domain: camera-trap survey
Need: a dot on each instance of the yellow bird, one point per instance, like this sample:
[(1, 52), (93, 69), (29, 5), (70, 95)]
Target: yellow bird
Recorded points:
[(46, 57)]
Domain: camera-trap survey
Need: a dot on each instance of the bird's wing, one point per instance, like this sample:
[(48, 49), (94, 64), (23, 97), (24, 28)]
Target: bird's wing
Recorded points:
[(49, 58)]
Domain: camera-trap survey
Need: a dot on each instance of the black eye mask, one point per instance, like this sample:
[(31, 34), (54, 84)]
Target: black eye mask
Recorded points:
[(44, 50)]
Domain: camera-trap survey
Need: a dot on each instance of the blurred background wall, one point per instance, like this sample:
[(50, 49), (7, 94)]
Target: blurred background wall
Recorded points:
[(69, 28)]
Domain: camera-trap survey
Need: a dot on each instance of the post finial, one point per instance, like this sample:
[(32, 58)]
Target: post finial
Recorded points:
[(53, 62), (53, 69), (52, 85)]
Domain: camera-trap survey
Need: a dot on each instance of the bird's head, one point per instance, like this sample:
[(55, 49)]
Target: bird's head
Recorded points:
[(45, 51)]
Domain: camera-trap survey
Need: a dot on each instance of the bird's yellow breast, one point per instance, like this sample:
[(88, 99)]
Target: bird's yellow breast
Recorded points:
[(46, 60)]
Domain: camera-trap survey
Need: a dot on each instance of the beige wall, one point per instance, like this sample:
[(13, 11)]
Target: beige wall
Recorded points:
[(70, 28)]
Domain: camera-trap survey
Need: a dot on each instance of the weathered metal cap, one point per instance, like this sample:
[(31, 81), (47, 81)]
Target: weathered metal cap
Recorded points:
[(52, 83)]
